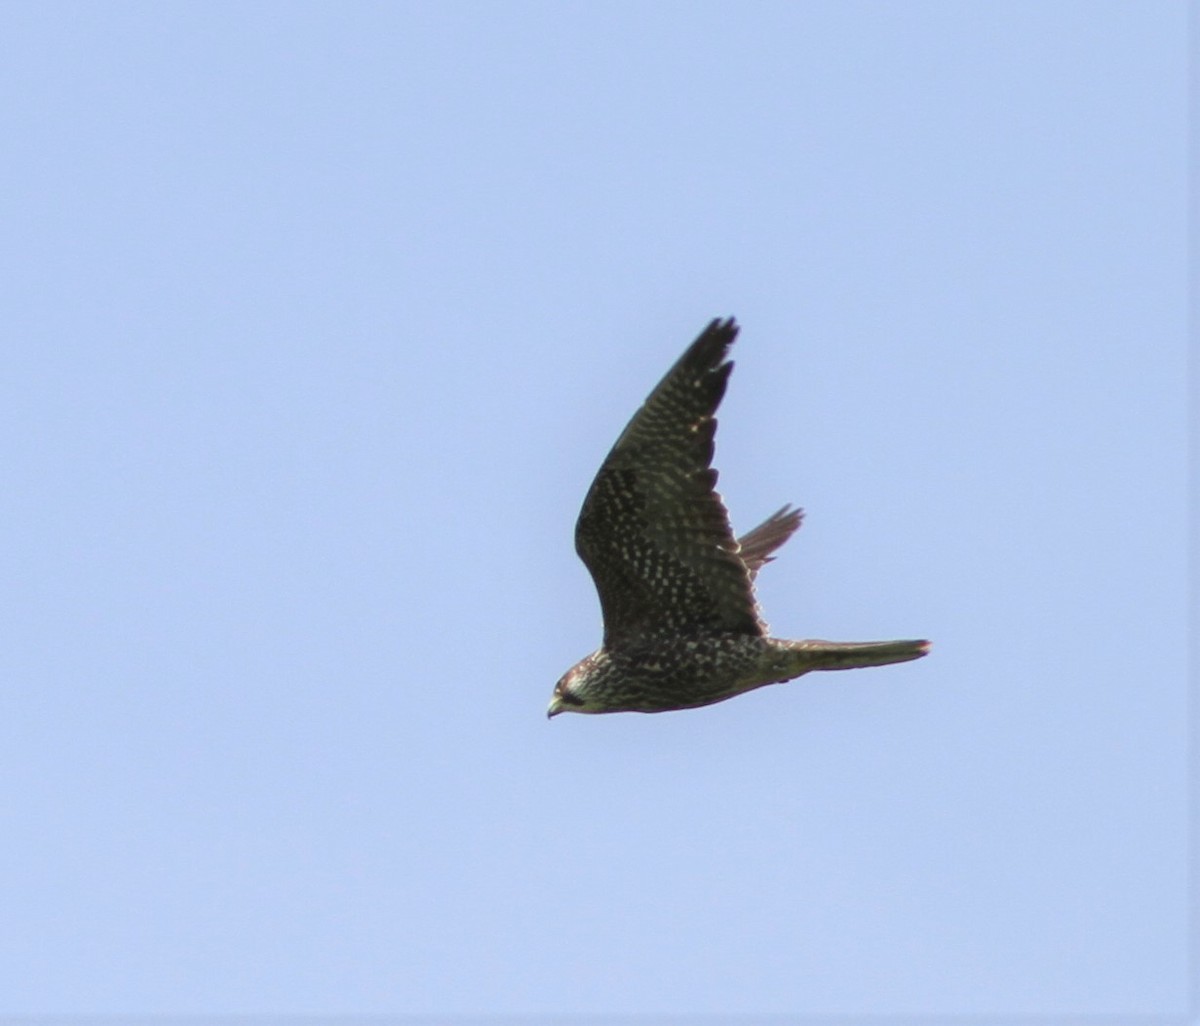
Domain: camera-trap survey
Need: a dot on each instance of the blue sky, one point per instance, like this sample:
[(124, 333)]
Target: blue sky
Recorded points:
[(320, 319)]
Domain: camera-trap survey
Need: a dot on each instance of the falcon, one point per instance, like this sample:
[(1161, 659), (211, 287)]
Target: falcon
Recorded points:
[(681, 625)]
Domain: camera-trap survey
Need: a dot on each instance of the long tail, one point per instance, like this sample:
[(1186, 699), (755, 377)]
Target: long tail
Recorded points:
[(849, 655)]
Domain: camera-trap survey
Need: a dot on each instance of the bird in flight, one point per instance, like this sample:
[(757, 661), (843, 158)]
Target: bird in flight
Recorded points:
[(681, 624)]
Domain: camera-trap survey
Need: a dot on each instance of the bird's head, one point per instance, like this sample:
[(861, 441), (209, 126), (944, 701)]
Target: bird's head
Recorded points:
[(574, 691)]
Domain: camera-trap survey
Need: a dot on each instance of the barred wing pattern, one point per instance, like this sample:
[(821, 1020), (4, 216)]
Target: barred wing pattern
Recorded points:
[(653, 532)]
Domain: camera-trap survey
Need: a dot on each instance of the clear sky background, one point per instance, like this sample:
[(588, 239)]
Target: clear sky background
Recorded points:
[(319, 319)]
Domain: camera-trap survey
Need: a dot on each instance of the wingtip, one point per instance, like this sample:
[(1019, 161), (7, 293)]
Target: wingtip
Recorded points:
[(725, 326), (793, 516), (708, 356), (712, 344)]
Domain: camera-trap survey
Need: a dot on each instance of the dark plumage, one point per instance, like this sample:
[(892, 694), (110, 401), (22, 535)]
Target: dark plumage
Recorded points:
[(681, 625)]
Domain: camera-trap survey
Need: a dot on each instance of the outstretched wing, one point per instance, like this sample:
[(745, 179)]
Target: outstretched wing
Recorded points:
[(653, 533), (755, 547)]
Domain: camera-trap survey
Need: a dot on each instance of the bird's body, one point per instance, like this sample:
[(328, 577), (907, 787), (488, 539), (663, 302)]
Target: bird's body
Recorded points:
[(681, 625), (658, 675)]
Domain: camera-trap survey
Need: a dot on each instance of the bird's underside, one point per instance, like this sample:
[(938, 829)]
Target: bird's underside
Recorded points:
[(681, 624)]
